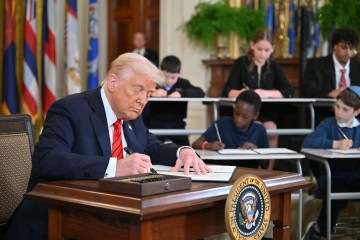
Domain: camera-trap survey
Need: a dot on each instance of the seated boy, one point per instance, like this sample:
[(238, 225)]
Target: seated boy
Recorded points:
[(171, 115), (240, 131), (339, 132)]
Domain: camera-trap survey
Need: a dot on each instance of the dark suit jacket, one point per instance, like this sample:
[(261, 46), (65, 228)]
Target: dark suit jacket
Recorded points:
[(152, 56), (165, 115), (272, 77), (319, 76), (75, 144)]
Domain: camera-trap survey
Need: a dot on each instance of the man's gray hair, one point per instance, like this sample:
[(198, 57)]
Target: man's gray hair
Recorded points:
[(133, 63)]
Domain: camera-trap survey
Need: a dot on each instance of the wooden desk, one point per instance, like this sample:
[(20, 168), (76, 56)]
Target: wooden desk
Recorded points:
[(213, 157), (78, 209)]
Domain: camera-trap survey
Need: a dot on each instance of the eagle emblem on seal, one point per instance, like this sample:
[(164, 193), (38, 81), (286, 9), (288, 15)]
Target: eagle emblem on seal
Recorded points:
[(248, 210)]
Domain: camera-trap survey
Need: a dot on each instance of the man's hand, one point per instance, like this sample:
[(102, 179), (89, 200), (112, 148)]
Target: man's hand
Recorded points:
[(134, 164), (214, 145), (188, 158), (159, 93)]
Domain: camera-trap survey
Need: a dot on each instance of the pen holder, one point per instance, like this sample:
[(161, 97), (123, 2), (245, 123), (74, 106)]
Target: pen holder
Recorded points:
[(145, 184)]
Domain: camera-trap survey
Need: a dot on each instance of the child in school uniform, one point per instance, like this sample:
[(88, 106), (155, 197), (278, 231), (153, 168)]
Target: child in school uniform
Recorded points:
[(171, 115), (339, 132), (238, 131)]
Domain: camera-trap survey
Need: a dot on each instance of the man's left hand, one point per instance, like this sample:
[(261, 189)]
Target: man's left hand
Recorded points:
[(188, 158)]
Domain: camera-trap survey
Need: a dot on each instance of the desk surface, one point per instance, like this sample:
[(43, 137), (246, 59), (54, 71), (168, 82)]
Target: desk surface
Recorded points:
[(323, 153), (86, 193), (214, 155), (75, 207), (185, 99), (287, 100)]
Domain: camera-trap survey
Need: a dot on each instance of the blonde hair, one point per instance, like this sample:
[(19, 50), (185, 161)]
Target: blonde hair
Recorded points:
[(132, 63)]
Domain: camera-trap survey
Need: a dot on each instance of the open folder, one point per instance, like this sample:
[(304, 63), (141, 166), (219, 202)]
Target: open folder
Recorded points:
[(220, 174)]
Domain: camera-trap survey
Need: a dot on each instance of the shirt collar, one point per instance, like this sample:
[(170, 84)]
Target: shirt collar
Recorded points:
[(354, 123), (140, 51), (110, 115), (338, 66)]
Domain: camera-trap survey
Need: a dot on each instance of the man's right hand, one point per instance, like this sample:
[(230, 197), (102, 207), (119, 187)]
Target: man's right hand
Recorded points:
[(134, 164)]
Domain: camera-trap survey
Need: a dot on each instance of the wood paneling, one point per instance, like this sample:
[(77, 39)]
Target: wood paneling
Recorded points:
[(125, 18), (151, 23), (220, 70)]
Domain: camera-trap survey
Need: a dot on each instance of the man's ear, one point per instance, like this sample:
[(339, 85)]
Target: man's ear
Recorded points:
[(111, 82)]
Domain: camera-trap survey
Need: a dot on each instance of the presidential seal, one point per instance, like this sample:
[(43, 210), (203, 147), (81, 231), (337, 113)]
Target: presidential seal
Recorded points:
[(247, 210)]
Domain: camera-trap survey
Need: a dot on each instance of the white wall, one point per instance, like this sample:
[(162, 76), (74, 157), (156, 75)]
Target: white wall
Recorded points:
[(173, 13)]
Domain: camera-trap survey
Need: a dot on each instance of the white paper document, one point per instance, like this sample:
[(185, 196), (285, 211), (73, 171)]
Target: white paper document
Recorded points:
[(237, 151), (256, 151), (273, 151), (347, 151), (220, 174)]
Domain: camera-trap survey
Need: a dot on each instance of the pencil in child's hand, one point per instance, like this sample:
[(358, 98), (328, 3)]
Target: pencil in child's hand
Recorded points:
[(217, 132), (342, 133), (245, 86)]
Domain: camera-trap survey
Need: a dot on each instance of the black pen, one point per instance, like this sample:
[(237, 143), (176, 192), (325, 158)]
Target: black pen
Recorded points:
[(129, 152)]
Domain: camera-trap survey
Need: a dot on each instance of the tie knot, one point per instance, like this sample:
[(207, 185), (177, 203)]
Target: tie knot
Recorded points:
[(343, 71), (117, 124)]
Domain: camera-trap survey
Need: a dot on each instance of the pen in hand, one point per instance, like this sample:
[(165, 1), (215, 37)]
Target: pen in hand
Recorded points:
[(129, 151), (217, 132), (245, 86), (343, 134)]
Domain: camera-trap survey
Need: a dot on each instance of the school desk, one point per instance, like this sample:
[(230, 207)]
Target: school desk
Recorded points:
[(321, 155)]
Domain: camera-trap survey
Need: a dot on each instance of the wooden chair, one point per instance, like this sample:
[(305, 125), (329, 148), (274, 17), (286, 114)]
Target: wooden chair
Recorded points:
[(17, 146)]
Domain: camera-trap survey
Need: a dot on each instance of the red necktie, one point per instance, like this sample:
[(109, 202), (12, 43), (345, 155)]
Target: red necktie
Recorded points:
[(342, 78), (117, 147)]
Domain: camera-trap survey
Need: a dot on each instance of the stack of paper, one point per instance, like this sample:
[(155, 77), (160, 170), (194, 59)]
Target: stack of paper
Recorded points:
[(220, 174)]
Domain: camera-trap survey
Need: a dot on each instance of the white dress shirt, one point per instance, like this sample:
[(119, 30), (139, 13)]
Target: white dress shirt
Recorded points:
[(338, 68), (110, 119)]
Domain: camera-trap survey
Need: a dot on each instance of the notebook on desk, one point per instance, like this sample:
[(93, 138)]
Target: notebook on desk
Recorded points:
[(347, 151), (220, 174), (256, 151)]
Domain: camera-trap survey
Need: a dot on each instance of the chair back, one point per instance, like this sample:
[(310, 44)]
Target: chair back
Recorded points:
[(17, 146)]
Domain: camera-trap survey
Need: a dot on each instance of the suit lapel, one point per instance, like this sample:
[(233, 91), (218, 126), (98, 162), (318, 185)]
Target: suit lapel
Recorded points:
[(353, 74), (98, 120), (130, 136), (331, 67)]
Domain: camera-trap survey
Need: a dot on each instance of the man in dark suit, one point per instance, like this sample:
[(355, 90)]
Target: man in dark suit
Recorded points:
[(327, 76), (78, 138), (140, 48)]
